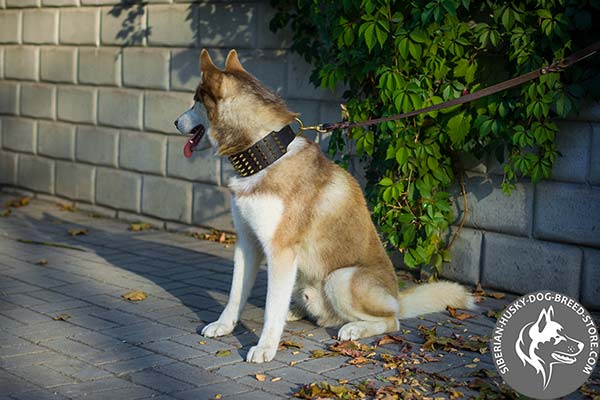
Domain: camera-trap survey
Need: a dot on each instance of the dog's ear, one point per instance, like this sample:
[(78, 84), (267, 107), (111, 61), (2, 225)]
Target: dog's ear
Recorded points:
[(544, 318), (232, 63), (206, 63)]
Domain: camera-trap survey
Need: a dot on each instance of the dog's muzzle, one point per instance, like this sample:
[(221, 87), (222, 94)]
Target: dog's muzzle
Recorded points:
[(193, 122)]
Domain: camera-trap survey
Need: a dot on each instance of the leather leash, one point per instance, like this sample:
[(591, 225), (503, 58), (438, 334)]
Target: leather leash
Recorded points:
[(556, 66)]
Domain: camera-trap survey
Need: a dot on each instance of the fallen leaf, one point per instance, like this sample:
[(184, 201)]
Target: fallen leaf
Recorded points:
[(484, 373), (65, 207), (292, 363), (361, 360), (223, 353), (343, 381), (215, 236), (457, 314), (321, 354), (260, 377), (479, 291), (78, 232), (295, 352), (5, 213), (276, 379), (62, 317), (286, 344), (138, 227), (202, 342), (43, 261), (218, 396), (16, 203), (389, 339), (497, 295), (495, 313), (135, 296), (471, 366)]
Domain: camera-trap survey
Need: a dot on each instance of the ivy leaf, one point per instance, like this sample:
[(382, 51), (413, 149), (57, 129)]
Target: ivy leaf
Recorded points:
[(402, 156), (386, 182), (458, 128)]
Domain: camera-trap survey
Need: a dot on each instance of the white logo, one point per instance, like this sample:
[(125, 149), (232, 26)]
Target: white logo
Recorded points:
[(544, 343)]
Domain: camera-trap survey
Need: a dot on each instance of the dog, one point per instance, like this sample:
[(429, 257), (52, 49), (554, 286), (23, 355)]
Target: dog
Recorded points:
[(306, 216), (543, 344)]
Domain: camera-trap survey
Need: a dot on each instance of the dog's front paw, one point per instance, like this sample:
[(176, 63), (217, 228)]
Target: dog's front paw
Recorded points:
[(217, 328), (261, 354)]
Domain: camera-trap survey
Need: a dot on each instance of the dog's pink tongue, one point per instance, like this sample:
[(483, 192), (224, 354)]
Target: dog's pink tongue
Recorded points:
[(192, 142)]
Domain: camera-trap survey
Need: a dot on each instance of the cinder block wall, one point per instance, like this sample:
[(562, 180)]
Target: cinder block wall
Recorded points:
[(89, 90)]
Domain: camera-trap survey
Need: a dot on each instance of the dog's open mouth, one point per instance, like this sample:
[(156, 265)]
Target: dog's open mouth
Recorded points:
[(563, 358), (193, 141)]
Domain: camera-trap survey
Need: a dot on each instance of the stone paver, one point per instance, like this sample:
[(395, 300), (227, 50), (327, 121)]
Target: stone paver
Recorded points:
[(110, 348)]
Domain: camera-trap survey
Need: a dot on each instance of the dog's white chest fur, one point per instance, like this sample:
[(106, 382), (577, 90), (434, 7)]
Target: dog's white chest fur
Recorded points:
[(262, 214)]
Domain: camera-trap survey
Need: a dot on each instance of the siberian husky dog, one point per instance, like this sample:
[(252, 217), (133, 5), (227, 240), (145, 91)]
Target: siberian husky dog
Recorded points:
[(303, 214)]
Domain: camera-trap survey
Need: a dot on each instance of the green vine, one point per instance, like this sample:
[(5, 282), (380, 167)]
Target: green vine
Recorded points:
[(397, 56)]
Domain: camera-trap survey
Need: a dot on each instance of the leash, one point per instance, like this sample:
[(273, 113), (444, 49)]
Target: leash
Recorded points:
[(556, 66)]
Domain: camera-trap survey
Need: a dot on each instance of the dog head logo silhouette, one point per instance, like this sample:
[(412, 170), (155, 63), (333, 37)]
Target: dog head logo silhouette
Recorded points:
[(544, 343)]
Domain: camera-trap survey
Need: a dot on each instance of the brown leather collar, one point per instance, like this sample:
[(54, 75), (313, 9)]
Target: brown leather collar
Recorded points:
[(262, 153)]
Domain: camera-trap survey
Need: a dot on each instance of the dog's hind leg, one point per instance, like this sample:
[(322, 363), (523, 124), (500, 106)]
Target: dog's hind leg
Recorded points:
[(246, 260), (360, 298)]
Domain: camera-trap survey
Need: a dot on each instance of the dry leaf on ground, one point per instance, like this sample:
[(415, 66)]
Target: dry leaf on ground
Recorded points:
[(66, 207), (215, 236), (286, 344), (5, 213), (276, 379), (458, 314), (16, 203), (78, 232), (43, 261), (479, 291), (260, 377), (135, 296), (322, 353), (62, 317), (387, 339), (138, 227), (223, 353)]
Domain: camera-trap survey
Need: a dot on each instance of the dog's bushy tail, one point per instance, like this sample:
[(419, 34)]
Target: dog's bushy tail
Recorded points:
[(433, 297)]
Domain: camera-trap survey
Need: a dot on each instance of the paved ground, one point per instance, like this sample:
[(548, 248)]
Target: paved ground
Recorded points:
[(109, 347)]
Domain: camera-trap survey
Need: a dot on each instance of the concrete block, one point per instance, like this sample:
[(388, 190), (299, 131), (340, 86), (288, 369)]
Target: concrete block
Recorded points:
[(266, 39), (98, 2), (95, 210), (573, 141), (77, 104), (595, 155), (490, 209), (167, 198), (40, 26), (202, 167), (590, 289), (22, 3), (58, 64), (567, 212), (100, 66), (299, 85), (21, 63), (162, 108), (56, 140), (212, 207), (80, 26), (466, 256), (97, 145), (173, 25), (525, 265), (36, 173), (8, 168), (9, 98), (38, 100), (185, 69), (146, 68), (124, 27), (1, 62), (10, 26), (19, 134), (121, 108), (118, 189), (227, 24), (143, 152), (75, 181), (60, 3), (268, 66)]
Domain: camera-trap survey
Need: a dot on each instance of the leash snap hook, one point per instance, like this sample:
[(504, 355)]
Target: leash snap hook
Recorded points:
[(319, 128)]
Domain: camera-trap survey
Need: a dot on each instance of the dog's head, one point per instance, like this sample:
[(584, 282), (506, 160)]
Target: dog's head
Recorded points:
[(232, 107), (544, 343)]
